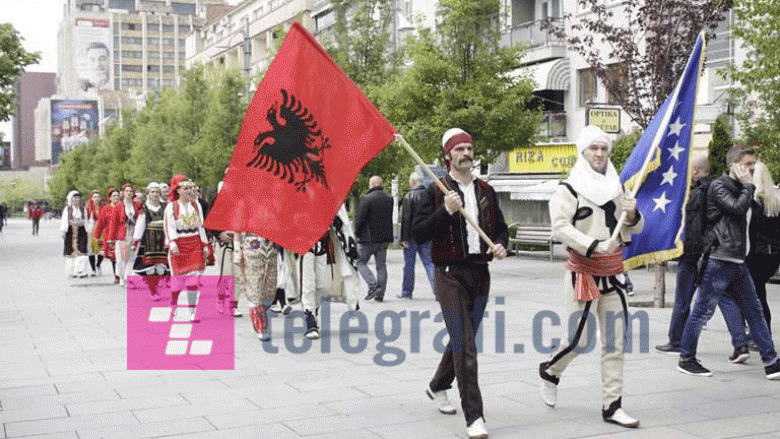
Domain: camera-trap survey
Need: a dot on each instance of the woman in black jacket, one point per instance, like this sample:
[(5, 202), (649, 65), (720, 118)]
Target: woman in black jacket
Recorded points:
[(764, 258)]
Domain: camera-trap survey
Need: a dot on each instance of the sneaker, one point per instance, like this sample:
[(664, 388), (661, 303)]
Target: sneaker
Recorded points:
[(286, 310), (773, 371), (264, 336), (99, 271), (620, 418), (275, 308), (371, 293), (740, 355), (693, 367), (548, 386), (667, 348), (237, 313), (312, 330), (442, 402), (477, 429), (192, 316)]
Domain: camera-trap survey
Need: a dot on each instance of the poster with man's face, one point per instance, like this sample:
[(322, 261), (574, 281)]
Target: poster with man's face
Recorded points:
[(93, 54)]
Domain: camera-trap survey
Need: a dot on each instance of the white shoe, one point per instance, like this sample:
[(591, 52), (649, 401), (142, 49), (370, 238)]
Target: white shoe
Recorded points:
[(122, 282), (313, 333), (442, 402), (275, 308), (264, 336), (192, 317), (548, 391), (237, 313), (99, 271), (622, 419), (477, 429)]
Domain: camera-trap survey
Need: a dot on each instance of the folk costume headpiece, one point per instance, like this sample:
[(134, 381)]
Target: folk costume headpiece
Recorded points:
[(151, 186), (70, 196), (179, 180), (452, 138), (591, 184)]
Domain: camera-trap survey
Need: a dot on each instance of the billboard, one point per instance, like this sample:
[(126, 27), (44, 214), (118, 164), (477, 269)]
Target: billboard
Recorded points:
[(543, 158), (73, 122), (93, 54)]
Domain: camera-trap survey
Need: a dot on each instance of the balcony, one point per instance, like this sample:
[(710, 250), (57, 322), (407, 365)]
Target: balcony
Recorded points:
[(541, 44)]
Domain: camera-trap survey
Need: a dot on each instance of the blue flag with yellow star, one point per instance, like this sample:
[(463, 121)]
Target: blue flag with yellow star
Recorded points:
[(663, 192)]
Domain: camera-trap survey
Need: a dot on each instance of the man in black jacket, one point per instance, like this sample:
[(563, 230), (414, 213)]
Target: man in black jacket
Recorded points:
[(461, 274), (374, 229), (411, 246), (728, 208)]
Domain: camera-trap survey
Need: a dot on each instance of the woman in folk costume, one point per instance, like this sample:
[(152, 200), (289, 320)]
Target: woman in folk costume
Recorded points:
[(255, 271), (94, 205), (149, 241), (186, 239), (121, 225), (328, 269), (584, 213), (102, 230), (74, 232)]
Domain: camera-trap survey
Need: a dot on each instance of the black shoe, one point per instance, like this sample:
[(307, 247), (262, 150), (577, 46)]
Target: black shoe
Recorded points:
[(740, 355), (379, 299), (693, 367), (371, 293), (667, 348), (312, 330), (773, 371)]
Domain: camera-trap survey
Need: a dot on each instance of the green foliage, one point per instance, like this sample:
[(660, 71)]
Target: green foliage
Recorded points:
[(719, 146), (460, 78), (757, 23), (621, 149), (191, 131), (15, 194), (13, 60)]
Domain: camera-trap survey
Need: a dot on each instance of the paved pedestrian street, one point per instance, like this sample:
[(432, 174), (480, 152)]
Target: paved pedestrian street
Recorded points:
[(63, 370)]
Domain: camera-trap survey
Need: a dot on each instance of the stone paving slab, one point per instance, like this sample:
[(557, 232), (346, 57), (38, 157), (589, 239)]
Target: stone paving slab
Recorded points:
[(63, 368)]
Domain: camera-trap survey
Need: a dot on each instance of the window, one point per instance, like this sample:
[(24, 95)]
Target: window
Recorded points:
[(184, 28), (152, 68), (132, 40), (167, 55), (167, 69), (152, 41), (617, 72), (588, 86), (131, 54), (167, 41), (167, 28), (131, 68)]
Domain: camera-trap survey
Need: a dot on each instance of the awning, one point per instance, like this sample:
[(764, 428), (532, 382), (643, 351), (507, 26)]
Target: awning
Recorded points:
[(526, 189), (552, 75)]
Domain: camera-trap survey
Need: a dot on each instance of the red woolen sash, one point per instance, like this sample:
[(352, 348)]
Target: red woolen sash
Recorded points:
[(609, 264)]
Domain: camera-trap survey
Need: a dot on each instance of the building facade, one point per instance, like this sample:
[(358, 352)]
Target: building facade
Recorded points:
[(30, 88)]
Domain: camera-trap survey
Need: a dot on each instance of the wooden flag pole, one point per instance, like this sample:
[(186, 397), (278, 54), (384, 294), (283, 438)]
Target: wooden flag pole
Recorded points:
[(443, 188)]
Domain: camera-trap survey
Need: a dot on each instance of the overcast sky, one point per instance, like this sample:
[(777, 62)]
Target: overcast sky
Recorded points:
[(36, 21)]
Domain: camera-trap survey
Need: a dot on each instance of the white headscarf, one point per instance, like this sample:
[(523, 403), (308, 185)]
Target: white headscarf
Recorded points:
[(593, 185), (69, 198)]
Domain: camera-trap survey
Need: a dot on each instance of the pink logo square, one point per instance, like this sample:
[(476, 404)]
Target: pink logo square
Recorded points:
[(194, 331)]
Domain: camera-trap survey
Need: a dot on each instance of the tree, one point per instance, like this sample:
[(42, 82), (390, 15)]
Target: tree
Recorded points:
[(460, 77), (640, 54), (621, 149), (13, 60), (719, 146), (757, 23)]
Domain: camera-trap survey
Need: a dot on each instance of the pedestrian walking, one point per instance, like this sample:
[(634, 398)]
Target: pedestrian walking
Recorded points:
[(186, 239), (75, 236), (584, 213), (105, 228), (462, 278), (94, 252), (224, 260), (149, 241), (411, 247), (255, 268), (729, 201), (764, 258), (373, 225), (122, 224), (35, 212)]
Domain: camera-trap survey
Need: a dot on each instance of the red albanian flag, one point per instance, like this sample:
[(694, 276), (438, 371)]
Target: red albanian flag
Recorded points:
[(307, 133)]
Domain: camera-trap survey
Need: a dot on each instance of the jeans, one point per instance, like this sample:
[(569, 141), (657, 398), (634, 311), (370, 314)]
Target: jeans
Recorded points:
[(719, 279), (686, 275), (379, 252), (410, 259)]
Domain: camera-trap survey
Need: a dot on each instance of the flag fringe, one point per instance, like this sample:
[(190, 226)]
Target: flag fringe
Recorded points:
[(653, 258)]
